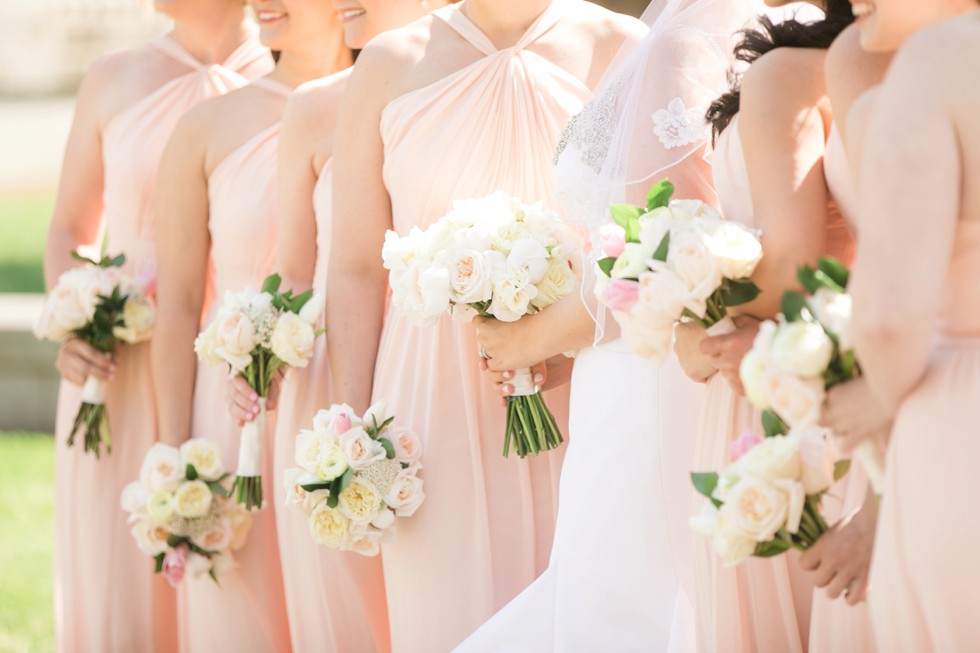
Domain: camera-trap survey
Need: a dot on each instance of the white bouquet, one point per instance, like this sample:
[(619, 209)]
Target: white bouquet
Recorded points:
[(673, 261), (256, 333), (496, 257), (355, 476), (795, 360), (768, 500), (180, 512), (101, 305)]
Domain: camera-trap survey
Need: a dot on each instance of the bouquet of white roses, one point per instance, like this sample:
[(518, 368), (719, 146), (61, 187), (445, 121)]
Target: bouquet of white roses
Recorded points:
[(496, 257), (180, 512), (794, 361), (99, 304), (355, 476), (673, 261), (256, 334), (768, 500)]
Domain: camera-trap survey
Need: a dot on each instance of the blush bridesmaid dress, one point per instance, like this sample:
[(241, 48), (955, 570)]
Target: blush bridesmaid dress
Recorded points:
[(107, 597)]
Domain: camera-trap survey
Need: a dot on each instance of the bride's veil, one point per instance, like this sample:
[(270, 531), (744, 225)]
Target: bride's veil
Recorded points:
[(647, 119)]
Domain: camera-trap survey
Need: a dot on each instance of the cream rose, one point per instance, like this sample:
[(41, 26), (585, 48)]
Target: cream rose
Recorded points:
[(513, 293), (333, 463), (383, 519), (752, 371), (292, 340), (757, 508), (134, 497), (732, 547), (558, 282), (797, 400), (328, 526), (405, 495), (205, 456), (360, 449), (694, 263), (407, 445), (161, 468), (236, 339), (139, 318), (833, 310), (206, 346), (192, 499), (632, 262), (311, 447), (424, 292), (217, 538), (62, 313), (160, 506), (817, 458), (359, 501), (312, 310), (735, 248), (470, 277), (365, 541), (531, 256), (150, 538), (801, 348), (775, 457)]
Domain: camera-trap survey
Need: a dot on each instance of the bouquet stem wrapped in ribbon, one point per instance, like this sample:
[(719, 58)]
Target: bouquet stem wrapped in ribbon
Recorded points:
[(494, 257), (100, 305), (257, 334)]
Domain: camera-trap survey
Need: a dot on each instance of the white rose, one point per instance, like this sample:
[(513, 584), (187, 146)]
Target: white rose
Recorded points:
[(365, 541), (705, 522), (694, 263), (752, 371), (736, 249), (558, 282), (407, 445), (192, 499), (376, 413), (292, 340), (359, 501), (328, 526), (383, 519), (62, 313), (216, 538), (292, 481), (664, 293), (513, 293), (400, 252), (833, 310), (426, 293), (139, 318), (802, 348), (798, 401), (731, 546), (775, 457), (470, 277), (151, 538), (405, 495), (817, 457), (757, 508), (361, 450), (160, 506), (205, 456), (633, 262), (648, 335), (133, 498), (311, 447), (91, 283), (333, 463), (206, 345), (655, 225), (161, 468), (235, 337), (312, 310), (684, 211), (530, 255)]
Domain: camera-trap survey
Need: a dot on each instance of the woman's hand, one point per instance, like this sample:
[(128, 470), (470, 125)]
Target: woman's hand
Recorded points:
[(552, 373), (243, 401), (78, 360), (687, 346), (854, 414), (508, 345), (727, 351), (840, 559)]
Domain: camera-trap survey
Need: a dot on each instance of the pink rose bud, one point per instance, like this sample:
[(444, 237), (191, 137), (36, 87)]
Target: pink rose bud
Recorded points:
[(744, 444), (621, 294), (342, 424), (613, 240), (173, 565), (148, 282)]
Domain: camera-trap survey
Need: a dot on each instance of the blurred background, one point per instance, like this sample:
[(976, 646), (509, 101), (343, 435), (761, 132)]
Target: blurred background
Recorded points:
[(45, 48)]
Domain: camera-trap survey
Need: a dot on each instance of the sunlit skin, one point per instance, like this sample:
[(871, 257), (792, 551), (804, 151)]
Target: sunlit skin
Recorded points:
[(391, 65), (210, 30), (308, 37), (305, 145)]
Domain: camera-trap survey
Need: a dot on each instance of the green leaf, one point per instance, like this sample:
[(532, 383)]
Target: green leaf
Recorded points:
[(173, 541), (117, 262), (705, 483), (159, 562), (213, 576), (841, 468), (271, 284), (660, 254), (299, 301), (771, 548), (736, 292), (807, 277), (333, 500), (793, 305), (218, 489), (345, 480), (389, 448), (606, 265), (773, 425), (190, 472), (835, 271), (83, 259), (313, 487), (659, 194), (627, 216)]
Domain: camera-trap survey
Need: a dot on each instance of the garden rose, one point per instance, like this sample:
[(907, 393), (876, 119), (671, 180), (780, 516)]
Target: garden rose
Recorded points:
[(405, 494), (161, 468), (798, 401), (470, 277), (205, 456), (292, 340), (817, 458), (360, 449), (328, 526), (833, 310), (192, 499), (359, 501), (801, 348)]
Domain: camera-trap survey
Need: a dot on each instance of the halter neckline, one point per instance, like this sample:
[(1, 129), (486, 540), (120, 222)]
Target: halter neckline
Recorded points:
[(247, 52), (453, 16)]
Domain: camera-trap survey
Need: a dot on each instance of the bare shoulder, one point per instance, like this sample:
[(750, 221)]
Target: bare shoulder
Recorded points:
[(313, 106), (782, 82), (390, 54), (850, 70), (944, 53), (609, 25), (115, 80)]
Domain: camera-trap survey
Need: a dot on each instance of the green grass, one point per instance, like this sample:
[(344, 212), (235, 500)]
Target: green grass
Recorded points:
[(26, 542), (24, 222)]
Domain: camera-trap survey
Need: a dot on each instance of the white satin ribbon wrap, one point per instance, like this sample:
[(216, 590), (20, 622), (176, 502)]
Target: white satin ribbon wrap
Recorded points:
[(523, 383), (721, 328), (93, 392), (252, 444), (869, 455)]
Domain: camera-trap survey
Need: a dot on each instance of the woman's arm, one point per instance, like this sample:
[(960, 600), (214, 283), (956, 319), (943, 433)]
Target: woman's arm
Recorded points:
[(356, 280), (183, 243), (910, 204)]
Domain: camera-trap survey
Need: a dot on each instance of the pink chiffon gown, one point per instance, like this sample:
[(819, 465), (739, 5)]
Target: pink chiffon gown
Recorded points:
[(762, 605), (835, 626), (485, 529), (335, 599), (925, 580), (248, 611), (107, 598)]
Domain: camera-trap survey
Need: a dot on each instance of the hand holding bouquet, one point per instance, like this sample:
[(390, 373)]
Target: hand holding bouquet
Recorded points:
[(355, 476), (495, 257), (795, 360), (180, 512), (100, 305), (673, 261), (256, 334)]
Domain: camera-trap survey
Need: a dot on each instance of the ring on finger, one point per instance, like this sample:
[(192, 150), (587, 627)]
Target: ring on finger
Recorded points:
[(483, 353)]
